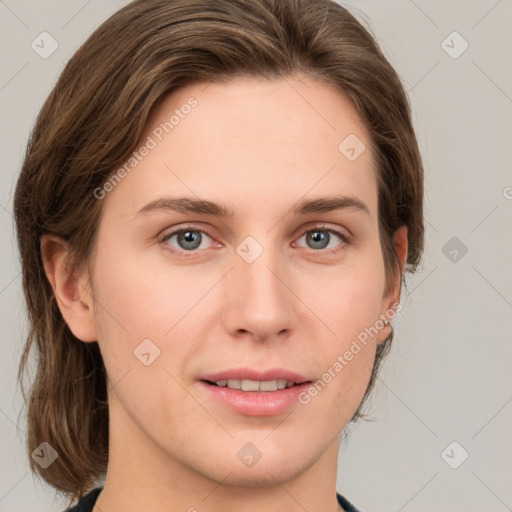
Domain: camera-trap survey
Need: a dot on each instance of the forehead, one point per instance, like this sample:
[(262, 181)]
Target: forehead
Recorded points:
[(297, 108), (254, 140)]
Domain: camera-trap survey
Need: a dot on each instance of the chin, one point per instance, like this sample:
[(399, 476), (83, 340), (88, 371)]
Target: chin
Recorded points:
[(266, 475), (275, 465)]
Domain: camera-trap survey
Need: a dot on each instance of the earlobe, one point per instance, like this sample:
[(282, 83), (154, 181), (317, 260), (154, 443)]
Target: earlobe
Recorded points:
[(71, 294)]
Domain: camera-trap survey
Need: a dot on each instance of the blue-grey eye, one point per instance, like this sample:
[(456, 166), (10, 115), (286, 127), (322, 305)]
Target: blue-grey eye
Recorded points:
[(187, 239), (321, 238)]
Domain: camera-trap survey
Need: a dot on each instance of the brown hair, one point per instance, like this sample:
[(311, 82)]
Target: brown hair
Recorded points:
[(93, 120)]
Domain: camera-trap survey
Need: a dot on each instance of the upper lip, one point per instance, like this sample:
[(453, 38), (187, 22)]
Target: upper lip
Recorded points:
[(259, 375)]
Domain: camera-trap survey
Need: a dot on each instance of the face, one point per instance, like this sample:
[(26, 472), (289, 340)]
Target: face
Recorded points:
[(280, 286)]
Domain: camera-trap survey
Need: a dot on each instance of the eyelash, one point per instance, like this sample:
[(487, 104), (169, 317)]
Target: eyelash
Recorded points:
[(346, 240)]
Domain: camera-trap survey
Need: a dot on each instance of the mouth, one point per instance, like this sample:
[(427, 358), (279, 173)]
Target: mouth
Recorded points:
[(255, 392), (255, 385)]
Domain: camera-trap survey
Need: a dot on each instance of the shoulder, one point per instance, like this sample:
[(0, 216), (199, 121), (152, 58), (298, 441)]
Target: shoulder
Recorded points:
[(346, 505), (87, 502)]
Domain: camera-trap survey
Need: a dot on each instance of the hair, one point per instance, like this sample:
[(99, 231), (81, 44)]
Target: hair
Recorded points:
[(92, 122)]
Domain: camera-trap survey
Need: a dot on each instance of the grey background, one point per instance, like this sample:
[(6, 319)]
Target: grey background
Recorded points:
[(448, 377)]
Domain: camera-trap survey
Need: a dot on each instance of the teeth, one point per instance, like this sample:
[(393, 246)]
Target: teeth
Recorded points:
[(255, 385), (250, 385), (281, 383)]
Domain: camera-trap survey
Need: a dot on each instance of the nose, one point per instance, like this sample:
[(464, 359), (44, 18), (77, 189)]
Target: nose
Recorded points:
[(260, 302)]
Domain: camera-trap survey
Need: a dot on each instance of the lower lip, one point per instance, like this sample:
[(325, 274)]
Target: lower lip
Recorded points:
[(256, 403)]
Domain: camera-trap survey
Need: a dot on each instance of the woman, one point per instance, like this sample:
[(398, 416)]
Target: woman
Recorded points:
[(216, 209)]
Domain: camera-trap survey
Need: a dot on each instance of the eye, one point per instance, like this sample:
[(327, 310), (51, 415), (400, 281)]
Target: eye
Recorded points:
[(320, 239), (188, 239)]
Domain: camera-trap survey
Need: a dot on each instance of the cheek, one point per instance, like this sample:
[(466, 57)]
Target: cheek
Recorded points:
[(143, 298), (139, 301), (140, 311), (348, 298), (349, 303)]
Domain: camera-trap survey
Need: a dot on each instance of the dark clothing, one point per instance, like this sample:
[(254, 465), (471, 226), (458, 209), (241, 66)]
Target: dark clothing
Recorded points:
[(346, 505), (88, 501)]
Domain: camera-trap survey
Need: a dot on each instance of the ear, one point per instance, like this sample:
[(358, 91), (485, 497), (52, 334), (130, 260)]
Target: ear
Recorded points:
[(390, 300), (70, 289)]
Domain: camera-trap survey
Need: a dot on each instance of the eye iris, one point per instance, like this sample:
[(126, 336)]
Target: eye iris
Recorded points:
[(321, 237), (191, 239)]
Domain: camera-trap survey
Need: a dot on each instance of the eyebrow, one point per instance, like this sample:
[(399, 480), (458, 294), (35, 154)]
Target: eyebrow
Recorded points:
[(201, 206)]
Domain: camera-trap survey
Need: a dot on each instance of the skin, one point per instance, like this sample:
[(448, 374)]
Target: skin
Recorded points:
[(257, 147)]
